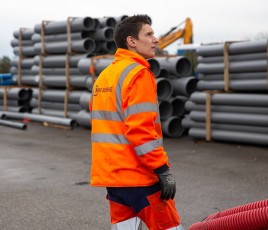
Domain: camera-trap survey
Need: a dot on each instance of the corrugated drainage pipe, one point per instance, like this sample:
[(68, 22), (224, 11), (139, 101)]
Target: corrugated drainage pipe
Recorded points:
[(250, 216), (164, 88), (172, 127)]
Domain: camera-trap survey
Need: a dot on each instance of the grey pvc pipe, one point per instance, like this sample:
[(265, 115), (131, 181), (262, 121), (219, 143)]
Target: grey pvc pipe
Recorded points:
[(188, 123), (25, 62), (184, 86), (60, 81), (59, 60), (102, 34), (15, 102), (13, 124), (16, 109), (107, 22), (235, 85), (54, 71), (14, 71), (234, 67), (16, 93), (164, 88), (234, 48), (61, 37), (108, 47), (27, 80), (100, 64), (15, 42), (178, 105), (26, 51), (81, 46), (165, 109), (240, 57), (55, 105), (55, 113), (41, 118), (172, 127), (233, 76), (83, 118), (240, 99), (57, 27), (57, 95), (231, 118), (154, 66), (177, 65), (26, 33), (120, 18), (231, 136), (84, 100), (191, 106)]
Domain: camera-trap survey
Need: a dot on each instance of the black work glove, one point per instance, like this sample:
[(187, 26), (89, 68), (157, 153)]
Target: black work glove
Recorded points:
[(168, 185)]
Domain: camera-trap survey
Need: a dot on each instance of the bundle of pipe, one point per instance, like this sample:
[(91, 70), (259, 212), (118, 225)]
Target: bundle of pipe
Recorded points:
[(239, 117), (174, 85), (247, 66), (16, 99), (24, 52)]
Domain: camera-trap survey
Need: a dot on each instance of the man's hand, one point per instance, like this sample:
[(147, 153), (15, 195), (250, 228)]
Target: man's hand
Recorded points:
[(168, 185)]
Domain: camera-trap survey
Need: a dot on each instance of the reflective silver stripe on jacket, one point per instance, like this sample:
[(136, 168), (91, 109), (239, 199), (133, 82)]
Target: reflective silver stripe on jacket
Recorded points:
[(109, 138), (141, 107), (105, 115), (119, 88), (148, 146)]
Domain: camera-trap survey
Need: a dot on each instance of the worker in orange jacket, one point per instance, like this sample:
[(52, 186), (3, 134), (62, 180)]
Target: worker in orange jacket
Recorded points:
[(128, 157)]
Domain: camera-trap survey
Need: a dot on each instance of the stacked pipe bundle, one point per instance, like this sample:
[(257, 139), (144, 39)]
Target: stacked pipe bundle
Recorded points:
[(235, 110), (240, 66), (24, 52), (174, 85), (58, 46), (15, 99)]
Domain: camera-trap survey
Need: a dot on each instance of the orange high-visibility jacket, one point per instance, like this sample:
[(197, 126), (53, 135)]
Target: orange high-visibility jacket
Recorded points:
[(126, 132)]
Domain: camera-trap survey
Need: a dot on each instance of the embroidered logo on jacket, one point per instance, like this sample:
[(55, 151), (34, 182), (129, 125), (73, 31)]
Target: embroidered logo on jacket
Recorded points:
[(103, 90)]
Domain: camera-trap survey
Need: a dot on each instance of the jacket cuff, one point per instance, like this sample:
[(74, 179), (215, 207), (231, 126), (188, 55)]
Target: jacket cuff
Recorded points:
[(161, 169)]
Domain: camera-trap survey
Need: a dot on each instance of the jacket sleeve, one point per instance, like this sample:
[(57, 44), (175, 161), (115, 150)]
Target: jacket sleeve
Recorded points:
[(142, 119)]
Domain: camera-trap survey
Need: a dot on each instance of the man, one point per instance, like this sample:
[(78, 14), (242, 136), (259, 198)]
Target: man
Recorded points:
[(128, 157)]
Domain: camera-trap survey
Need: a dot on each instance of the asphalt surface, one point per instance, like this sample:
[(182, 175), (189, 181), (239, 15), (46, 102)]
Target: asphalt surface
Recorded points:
[(44, 174)]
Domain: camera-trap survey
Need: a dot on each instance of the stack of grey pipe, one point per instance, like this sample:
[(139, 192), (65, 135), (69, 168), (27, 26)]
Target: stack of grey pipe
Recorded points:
[(24, 53), (174, 85), (57, 49), (17, 99), (247, 66), (241, 115)]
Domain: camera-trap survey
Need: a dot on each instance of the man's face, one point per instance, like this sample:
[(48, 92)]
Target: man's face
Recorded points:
[(147, 42)]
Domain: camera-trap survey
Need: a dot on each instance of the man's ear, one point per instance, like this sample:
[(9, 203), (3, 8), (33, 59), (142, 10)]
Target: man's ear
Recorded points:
[(131, 42)]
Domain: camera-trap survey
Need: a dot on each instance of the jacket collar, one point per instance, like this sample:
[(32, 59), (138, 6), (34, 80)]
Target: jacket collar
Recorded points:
[(123, 54)]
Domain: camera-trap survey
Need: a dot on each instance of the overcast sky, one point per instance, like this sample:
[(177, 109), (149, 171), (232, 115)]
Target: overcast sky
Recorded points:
[(213, 20)]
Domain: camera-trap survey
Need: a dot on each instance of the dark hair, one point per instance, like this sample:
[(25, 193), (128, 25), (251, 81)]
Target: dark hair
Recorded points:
[(130, 26)]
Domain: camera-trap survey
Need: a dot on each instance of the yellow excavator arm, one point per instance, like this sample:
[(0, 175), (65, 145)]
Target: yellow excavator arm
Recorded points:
[(175, 33)]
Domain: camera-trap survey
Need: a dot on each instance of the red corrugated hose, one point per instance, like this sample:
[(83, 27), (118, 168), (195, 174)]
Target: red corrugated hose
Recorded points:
[(252, 216)]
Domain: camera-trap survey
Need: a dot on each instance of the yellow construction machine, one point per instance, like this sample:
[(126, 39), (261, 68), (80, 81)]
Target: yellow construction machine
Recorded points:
[(175, 33)]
